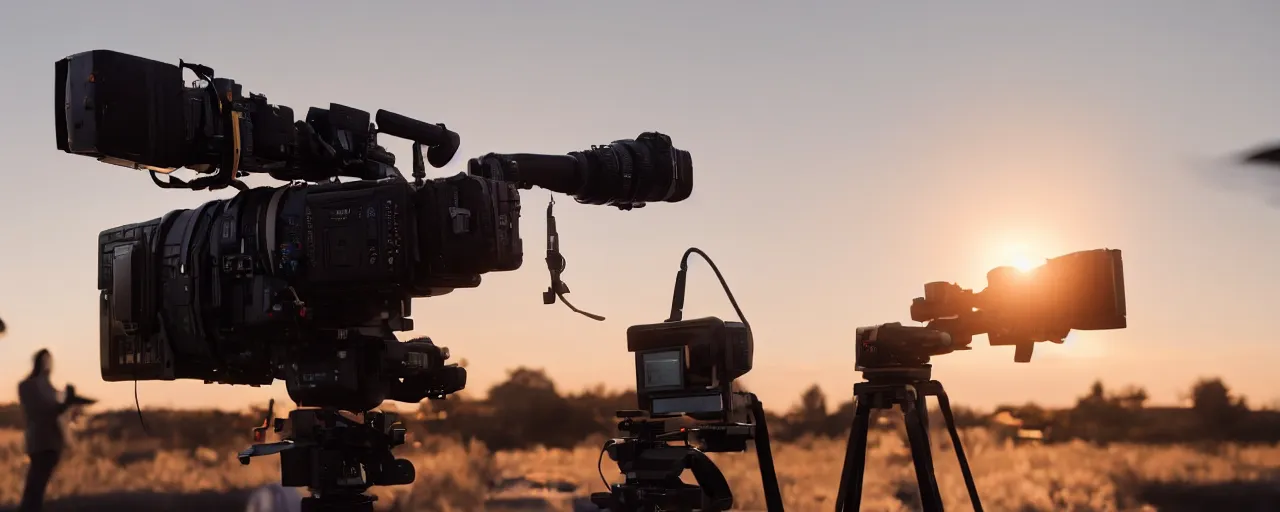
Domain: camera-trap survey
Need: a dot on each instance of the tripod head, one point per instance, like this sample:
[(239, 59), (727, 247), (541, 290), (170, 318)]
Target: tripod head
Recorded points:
[(337, 455), (653, 465)]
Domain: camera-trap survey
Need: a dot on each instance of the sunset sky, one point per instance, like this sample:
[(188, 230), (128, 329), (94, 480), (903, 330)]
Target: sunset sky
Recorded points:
[(844, 154)]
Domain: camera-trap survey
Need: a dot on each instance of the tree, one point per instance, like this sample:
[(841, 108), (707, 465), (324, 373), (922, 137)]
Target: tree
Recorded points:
[(807, 417), (1102, 417), (1096, 392), (813, 403), (1210, 395), (1132, 397), (1032, 415), (523, 383), (1214, 406), (527, 410)]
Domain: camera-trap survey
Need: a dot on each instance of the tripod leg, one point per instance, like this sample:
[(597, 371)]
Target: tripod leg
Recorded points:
[(945, 405), (764, 455), (921, 456), (849, 495), (923, 407)]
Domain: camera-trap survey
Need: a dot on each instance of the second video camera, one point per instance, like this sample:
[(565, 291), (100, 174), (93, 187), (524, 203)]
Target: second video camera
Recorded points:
[(688, 367), (685, 370)]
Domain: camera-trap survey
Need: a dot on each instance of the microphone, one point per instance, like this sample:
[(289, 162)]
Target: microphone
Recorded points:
[(441, 142)]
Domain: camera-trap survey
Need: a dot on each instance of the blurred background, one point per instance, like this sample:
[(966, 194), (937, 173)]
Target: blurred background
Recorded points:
[(844, 155)]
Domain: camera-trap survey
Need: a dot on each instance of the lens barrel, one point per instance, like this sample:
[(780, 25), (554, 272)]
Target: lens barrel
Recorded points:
[(625, 173)]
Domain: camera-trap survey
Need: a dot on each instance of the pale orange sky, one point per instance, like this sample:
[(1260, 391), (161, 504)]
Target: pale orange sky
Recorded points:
[(845, 154)]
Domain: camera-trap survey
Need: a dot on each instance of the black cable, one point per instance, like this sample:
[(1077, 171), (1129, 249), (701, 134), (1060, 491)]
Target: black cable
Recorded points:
[(600, 463), (138, 405), (677, 299), (575, 309), (556, 265)]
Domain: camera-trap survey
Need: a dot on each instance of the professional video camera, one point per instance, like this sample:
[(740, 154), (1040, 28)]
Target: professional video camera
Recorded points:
[(308, 282), (685, 371), (1082, 290)]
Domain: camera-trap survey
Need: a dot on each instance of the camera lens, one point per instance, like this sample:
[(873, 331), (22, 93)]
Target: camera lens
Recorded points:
[(625, 173)]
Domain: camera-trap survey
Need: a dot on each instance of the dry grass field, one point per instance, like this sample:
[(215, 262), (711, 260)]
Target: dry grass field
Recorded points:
[(104, 475)]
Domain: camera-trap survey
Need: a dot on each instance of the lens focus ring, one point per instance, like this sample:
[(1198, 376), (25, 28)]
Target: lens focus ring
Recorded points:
[(626, 171)]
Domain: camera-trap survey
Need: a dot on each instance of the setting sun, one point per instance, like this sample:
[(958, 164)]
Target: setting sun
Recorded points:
[(1020, 256), (1025, 263), (1024, 249)]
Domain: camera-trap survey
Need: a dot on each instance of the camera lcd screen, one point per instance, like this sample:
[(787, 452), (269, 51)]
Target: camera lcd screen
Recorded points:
[(663, 369)]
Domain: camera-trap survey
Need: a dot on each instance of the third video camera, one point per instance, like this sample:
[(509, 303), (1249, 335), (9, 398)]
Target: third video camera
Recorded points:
[(1078, 291)]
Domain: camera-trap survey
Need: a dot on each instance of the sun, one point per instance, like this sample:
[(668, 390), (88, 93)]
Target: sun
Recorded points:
[(1024, 263), (1023, 252)]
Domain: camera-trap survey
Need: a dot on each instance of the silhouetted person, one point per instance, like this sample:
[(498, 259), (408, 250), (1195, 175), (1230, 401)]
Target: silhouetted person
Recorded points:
[(44, 437)]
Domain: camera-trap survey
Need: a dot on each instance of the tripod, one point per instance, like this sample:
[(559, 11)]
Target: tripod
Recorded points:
[(906, 387), (336, 457)]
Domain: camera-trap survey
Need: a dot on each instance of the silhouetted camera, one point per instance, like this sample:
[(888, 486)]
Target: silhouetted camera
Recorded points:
[(1082, 290), (687, 367), (307, 282)]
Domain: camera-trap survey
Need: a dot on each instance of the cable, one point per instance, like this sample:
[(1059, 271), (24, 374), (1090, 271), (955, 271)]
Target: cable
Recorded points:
[(677, 298), (556, 265), (138, 405), (575, 309), (600, 463)]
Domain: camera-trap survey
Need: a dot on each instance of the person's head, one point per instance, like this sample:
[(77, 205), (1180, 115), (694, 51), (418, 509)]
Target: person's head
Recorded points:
[(42, 363)]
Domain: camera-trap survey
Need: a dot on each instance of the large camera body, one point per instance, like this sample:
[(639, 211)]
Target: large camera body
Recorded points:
[(306, 282), (227, 291)]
